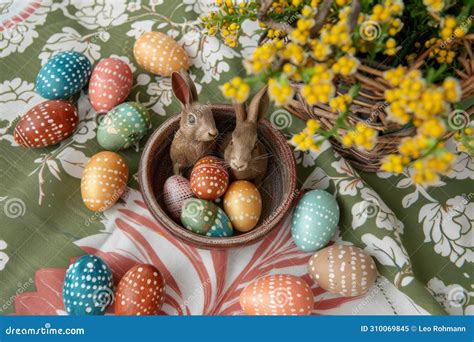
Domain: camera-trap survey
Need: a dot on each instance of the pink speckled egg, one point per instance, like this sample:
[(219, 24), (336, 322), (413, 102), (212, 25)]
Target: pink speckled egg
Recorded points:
[(176, 190), (110, 84), (209, 178), (279, 294)]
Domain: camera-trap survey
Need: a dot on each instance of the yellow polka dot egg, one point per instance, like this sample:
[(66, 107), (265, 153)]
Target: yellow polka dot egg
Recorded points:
[(160, 54), (243, 205), (103, 180)]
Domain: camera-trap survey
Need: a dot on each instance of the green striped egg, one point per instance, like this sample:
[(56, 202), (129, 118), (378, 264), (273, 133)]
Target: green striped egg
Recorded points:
[(205, 218), (123, 126)]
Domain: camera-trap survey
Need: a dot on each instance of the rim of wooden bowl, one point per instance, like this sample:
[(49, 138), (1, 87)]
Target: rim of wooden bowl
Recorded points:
[(244, 239)]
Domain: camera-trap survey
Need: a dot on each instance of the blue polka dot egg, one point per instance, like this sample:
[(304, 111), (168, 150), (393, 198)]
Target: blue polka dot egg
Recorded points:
[(88, 287), (63, 75), (205, 218), (314, 220)]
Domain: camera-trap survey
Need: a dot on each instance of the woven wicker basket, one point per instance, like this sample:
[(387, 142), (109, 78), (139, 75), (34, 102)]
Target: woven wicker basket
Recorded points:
[(370, 107)]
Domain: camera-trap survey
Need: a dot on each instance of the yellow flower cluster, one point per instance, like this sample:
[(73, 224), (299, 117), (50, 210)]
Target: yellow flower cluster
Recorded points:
[(391, 47), (443, 55), (346, 65), (363, 137), (320, 87), (427, 170), (341, 103), (435, 6), (236, 89), (263, 57), (307, 139), (280, 91), (301, 33), (412, 98), (465, 140), (450, 28)]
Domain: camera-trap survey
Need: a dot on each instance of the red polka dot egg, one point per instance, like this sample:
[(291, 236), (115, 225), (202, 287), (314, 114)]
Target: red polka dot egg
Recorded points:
[(280, 294), (46, 124), (141, 292), (209, 178), (110, 84)]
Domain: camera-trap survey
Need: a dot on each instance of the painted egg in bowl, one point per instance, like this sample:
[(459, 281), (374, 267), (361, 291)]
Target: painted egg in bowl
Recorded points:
[(277, 189)]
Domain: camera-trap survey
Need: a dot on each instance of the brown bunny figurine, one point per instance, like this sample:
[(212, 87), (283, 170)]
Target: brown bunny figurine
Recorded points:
[(197, 129), (243, 152)]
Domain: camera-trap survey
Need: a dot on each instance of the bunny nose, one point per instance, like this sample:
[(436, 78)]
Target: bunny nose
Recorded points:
[(212, 134), (239, 166)]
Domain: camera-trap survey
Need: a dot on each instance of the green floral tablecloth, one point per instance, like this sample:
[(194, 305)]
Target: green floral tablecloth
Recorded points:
[(421, 238)]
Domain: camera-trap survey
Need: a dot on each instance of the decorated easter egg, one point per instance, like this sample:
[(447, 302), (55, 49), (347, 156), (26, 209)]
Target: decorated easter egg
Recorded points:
[(46, 124), (123, 126), (110, 84), (279, 294), (176, 190), (314, 220), (209, 178), (243, 205), (103, 180), (160, 54), (205, 218), (345, 270), (88, 286), (65, 74), (141, 292)]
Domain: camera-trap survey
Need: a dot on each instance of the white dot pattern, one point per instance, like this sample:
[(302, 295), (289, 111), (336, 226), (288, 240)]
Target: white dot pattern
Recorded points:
[(46, 124), (63, 75), (160, 54), (314, 220), (88, 286), (123, 126), (344, 270), (243, 205), (103, 180), (141, 292), (209, 178), (110, 84), (281, 294)]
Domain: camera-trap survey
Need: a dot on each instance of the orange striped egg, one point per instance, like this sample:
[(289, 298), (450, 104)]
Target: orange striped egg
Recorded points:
[(280, 294), (344, 270), (103, 180), (160, 54), (209, 178)]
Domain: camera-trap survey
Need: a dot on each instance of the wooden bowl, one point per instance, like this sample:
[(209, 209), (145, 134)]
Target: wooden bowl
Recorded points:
[(277, 190)]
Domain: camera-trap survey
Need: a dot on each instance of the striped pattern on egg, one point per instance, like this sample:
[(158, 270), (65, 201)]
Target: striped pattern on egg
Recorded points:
[(88, 287), (315, 220), (345, 270), (65, 74), (110, 84), (280, 294), (46, 124), (176, 190), (160, 54), (104, 180), (205, 218), (243, 205), (209, 178), (140, 292)]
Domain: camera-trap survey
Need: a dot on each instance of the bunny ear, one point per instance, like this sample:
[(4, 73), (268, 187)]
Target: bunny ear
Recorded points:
[(258, 106), (183, 88), (240, 111)]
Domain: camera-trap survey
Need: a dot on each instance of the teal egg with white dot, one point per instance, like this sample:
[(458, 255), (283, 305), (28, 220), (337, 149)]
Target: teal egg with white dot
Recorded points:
[(205, 218), (123, 126), (314, 220), (65, 74), (88, 287)]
